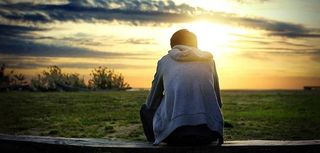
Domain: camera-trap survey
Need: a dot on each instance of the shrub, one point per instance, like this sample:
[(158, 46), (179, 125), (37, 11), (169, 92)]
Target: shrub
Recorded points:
[(12, 81), (104, 78), (54, 80)]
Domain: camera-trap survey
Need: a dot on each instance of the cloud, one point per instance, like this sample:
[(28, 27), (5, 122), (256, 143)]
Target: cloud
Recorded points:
[(276, 28), (133, 10), (143, 11), (14, 40), (139, 41), (16, 31), (24, 48), (112, 66), (313, 55), (33, 62), (268, 42), (270, 47), (293, 44), (296, 52), (79, 40), (293, 34), (256, 53)]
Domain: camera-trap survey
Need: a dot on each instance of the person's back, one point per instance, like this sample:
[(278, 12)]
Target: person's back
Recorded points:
[(184, 98)]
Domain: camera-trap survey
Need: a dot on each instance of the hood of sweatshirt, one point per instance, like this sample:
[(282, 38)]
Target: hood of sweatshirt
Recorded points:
[(186, 53)]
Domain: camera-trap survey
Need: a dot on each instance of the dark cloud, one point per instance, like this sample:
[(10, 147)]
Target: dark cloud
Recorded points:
[(276, 28), (293, 34), (15, 40), (143, 11), (134, 11), (31, 63), (28, 48), (16, 31)]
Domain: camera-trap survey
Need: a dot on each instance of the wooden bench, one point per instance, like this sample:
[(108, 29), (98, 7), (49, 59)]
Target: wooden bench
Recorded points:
[(311, 88), (40, 144)]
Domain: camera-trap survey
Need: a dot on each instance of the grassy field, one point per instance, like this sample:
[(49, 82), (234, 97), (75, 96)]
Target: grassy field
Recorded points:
[(278, 115)]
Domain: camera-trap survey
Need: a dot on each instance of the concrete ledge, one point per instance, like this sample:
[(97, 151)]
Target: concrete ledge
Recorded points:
[(35, 144)]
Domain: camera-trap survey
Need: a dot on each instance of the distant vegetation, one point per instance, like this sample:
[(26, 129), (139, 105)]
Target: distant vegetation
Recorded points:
[(53, 79)]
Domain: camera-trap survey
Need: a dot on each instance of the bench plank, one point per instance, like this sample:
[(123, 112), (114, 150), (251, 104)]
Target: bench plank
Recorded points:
[(22, 143)]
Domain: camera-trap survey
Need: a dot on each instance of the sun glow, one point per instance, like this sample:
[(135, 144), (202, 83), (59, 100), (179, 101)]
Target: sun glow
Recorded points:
[(212, 37)]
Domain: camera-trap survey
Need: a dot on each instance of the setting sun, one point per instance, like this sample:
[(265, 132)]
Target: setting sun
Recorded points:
[(214, 37)]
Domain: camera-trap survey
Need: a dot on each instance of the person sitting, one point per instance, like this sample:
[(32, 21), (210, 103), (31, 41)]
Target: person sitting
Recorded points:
[(184, 103)]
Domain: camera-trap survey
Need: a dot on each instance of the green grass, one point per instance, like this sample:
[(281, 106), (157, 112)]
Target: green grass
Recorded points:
[(288, 115)]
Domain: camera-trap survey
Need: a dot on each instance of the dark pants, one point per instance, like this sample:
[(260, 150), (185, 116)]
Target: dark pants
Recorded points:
[(192, 135), (184, 135), (146, 116)]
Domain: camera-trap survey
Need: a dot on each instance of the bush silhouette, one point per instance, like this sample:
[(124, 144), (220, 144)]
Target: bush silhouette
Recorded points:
[(11, 81), (54, 80), (104, 78)]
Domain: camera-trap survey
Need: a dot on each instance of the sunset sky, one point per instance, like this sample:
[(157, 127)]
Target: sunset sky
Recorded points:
[(257, 44)]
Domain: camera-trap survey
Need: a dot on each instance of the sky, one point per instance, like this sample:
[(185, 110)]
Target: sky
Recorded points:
[(257, 44)]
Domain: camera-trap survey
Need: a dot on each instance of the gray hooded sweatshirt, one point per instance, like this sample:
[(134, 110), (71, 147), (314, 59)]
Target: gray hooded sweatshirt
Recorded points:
[(185, 91)]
